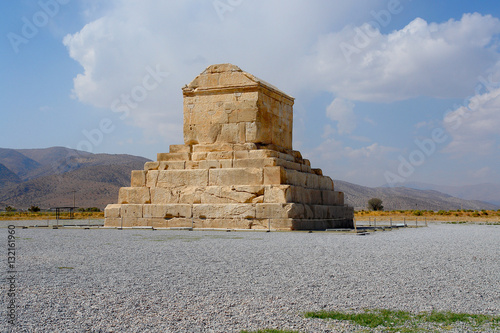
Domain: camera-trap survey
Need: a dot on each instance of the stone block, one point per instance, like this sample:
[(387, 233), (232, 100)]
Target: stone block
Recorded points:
[(231, 194), (167, 211), (151, 166), (278, 210), (229, 133), (337, 212), (192, 165), (255, 163), (220, 155), (199, 156), (172, 165), (316, 197), (130, 222), (112, 222), (152, 178), (262, 153), (245, 146), (134, 195), (180, 148), (176, 222), (325, 183), (138, 178), (112, 211), (161, 195), (219, 211), (290, 165), (242, 133), (318, 172), (215, 164), (300, 195), (320, 211), (305, 168), (134, 211), (236, 176), (226, 223), (207, 148), (173, 156), (239, 154), (340, 198), (286, 157), (190, 195), (281, 224), (296, 178), (176, 178), (275, 175), (247, 112), (328, 197), (311, 180), (297, 155), (278, 194), (308, 212)]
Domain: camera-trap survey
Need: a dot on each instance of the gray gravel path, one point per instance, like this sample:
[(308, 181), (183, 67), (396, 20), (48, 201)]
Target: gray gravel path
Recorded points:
[(94, 280)]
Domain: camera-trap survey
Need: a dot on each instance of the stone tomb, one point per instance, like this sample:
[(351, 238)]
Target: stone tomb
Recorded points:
[(236, 168)]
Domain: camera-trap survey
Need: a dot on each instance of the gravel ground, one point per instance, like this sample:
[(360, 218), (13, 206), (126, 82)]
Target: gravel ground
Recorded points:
[(101, 280)]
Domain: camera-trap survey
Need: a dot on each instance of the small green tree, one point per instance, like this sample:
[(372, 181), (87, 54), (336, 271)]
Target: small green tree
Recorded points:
[(375, 204), (34, 209), (10, 209)]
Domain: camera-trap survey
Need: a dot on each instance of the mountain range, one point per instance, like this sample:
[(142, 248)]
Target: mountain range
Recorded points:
[(405, 198), (56, 176), (50, 177), (488, 192)]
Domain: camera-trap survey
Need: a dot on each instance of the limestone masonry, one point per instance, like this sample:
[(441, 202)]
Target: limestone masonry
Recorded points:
[(236, 168)]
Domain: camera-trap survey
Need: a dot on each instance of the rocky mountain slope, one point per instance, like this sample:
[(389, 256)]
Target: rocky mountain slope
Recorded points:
[(50, 177), (402, 198), (485, 192)]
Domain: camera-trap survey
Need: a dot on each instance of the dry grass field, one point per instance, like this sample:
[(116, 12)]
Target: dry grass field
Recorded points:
[(48, 215), (489, 216)]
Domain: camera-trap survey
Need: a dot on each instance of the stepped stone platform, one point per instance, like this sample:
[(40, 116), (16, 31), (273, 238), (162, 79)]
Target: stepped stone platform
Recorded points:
[(236, 168)]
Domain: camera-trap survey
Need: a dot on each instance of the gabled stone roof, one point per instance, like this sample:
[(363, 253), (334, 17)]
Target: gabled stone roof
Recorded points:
[(228, 76)]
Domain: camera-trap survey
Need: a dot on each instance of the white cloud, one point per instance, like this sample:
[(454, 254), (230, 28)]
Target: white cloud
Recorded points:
[(295, 47), (474, 128), (363, 165), (422, 59), (482, 173), (183, 37), (342, 111)]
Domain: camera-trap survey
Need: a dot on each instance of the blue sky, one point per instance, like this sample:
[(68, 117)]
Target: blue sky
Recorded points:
[(386, 91)]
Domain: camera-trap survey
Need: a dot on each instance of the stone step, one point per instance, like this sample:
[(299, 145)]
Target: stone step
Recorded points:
[(224, 176), (229, 194), (225, 151), (248, 211), (220, 160)]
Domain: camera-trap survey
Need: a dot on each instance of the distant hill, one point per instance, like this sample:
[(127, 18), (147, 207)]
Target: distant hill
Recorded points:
[(7, 176), (17, 163), (484, 192), (94, 186), (48, 177), (402, 198)]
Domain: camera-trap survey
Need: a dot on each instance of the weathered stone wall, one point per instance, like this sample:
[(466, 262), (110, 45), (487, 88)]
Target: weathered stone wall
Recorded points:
[(236, 169), (226, 105)]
